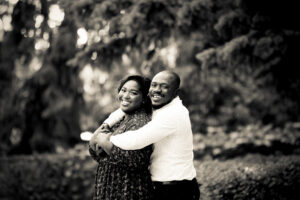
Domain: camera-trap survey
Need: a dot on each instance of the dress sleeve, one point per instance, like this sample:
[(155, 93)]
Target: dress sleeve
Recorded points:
[(132, 160)]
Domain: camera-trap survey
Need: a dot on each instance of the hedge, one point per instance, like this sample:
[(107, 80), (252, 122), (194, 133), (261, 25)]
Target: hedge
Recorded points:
[(254, 177), (70, 176), (253, 138), (64, 176)]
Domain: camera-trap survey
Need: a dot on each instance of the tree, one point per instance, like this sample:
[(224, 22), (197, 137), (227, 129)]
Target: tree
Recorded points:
[(237, 60), (237, 56), (47, 100)]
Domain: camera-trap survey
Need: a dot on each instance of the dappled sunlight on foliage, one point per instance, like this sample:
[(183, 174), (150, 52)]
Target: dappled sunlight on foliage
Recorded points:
[(61, 62), (266, 140), (65, 175), (70, 175), (252, 177)]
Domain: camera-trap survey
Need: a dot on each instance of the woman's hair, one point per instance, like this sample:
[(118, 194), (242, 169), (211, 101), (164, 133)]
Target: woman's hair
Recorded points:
[(144, 85)]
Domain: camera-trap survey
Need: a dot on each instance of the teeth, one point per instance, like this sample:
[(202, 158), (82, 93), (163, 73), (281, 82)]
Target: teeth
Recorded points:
[(125, 103), (156, 96)]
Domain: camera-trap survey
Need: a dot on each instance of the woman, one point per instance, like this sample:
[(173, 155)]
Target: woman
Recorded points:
[(124, 175)]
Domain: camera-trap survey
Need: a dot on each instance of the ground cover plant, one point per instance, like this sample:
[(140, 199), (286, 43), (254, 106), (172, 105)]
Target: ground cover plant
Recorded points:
[(70, 175)]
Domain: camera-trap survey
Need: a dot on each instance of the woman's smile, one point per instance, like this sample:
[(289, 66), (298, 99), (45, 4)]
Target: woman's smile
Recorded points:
[(125, 102), (130, 96)]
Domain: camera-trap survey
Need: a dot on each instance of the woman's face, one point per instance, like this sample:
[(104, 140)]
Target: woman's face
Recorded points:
[(130, 96)]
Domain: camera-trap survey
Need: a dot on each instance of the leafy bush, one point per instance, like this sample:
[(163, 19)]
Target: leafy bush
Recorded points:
[(255, 177), (69, 175), (237, 59), (254, 138)]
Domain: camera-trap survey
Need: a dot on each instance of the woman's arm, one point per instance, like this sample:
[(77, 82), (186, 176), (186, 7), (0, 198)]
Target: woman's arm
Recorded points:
[(97, 156), (95, 150), (132, 160), (138, 159)]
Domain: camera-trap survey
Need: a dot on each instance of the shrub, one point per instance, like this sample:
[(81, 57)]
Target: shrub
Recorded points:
[(253, 138), (69, 175), (255, 177)]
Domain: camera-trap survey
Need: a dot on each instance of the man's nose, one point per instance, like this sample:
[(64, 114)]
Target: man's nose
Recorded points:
[(157, 89)]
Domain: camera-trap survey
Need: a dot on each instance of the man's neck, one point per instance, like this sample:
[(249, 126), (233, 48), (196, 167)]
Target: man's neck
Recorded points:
[(162, 105)]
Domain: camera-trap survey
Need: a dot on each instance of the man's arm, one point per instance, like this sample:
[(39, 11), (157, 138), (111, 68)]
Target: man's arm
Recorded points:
[(154, 131), (114, 117)]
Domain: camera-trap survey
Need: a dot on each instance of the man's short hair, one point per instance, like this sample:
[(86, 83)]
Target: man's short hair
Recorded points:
[(176, 78)]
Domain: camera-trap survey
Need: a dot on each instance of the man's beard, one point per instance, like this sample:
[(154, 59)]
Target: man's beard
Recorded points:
[(155, 107)]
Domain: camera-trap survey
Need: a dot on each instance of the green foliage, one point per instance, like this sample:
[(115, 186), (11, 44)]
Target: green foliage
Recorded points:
[(265, 140), (248, 76), (68, 175), (233, 53), (239, 85), (41, 97), (237, 60), (254, 177), (10, 123), (14, 45)]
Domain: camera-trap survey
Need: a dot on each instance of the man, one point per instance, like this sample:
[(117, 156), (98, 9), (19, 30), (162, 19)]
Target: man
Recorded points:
[(172, 169)]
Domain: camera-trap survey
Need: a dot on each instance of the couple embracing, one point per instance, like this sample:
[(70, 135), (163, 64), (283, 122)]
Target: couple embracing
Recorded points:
[(145, 148)]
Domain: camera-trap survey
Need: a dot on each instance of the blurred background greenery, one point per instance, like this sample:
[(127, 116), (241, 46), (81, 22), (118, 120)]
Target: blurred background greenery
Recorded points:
[(61, 62)]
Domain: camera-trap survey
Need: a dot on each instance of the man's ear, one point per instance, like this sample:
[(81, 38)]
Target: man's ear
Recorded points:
[(176, 92)]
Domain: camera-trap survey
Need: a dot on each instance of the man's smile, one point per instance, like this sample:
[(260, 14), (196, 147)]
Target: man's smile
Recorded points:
[(156, 96)]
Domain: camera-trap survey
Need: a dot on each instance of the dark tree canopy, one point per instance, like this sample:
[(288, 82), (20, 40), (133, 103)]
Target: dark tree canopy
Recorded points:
[(61, 61)]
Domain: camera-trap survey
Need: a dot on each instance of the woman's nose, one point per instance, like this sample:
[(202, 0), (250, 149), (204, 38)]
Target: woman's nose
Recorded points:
[(126, 95)]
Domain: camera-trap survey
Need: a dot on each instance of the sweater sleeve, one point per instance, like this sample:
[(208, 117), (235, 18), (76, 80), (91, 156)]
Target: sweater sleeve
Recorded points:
[(114, 117), (157, 129)]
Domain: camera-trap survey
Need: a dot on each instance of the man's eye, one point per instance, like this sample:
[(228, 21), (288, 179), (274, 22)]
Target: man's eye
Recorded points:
[(134, 93), (123, 90)]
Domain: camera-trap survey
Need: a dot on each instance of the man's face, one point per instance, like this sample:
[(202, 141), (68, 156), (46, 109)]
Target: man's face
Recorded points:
[(162, 89)]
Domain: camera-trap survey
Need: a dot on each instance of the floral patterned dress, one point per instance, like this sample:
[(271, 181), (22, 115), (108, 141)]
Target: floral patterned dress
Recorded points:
[(124, 175)]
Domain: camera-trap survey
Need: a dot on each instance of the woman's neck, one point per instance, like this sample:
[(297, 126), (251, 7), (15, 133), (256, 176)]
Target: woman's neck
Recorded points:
[(139, 109)]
